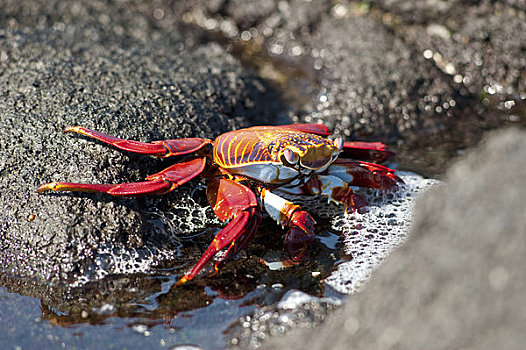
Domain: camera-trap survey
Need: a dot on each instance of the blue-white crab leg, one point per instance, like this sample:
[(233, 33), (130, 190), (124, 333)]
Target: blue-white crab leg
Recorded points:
[(300, 223)]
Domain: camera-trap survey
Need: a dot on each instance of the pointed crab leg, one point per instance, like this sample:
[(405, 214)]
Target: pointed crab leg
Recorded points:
[(162, 182), (233, 201), (300, 223), (166, 148), (375, 151)]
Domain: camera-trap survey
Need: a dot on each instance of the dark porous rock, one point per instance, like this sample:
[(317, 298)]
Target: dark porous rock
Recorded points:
[(479, 43), (86, 74), (431, 10), (107, 20), (419, 11), (341, 66), (459, 280), (373, 84)]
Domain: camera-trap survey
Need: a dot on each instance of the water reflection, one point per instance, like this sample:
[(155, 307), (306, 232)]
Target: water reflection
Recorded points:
[(152, 304)]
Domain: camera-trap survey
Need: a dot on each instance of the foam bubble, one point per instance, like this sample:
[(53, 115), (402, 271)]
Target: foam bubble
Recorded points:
[(370, 237), (184, 218)]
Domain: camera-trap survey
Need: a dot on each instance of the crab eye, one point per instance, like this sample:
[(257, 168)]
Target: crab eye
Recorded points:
[(290, 156), (338, 142)]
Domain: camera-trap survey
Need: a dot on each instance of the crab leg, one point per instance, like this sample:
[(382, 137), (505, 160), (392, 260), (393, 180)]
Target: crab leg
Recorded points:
[(335, 182), (318, 129), (357, 173), (300, 223), (375, 151), (335, 188), (233, 201), (162, 182), (166, 148)]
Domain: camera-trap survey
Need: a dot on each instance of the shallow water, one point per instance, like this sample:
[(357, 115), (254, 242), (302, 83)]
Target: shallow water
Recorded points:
[(211, 312)]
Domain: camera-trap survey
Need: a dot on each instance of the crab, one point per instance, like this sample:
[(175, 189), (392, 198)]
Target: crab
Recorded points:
[(249, 169)]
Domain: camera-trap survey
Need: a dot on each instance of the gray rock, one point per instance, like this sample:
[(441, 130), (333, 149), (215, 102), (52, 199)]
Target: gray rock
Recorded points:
[(391, 70), (138, 83), (458, 282), (342, 67), (372, 83), (429, 10), (479, 43)]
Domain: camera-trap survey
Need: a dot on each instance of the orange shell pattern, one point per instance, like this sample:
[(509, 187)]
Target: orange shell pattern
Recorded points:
[(262, 145)]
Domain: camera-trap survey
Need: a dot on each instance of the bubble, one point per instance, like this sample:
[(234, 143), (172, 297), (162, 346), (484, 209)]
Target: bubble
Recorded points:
[(372, 236)]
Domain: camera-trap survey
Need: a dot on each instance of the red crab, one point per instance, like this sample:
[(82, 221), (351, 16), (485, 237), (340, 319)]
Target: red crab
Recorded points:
[(244, 165)]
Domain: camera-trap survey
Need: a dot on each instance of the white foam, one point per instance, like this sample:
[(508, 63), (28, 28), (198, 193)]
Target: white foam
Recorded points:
[(370, 237), (294, 298), (187, 217)]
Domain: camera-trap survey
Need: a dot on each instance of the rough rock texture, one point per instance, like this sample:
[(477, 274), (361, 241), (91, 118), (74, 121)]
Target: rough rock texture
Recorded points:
[(407, 72), (343, 67), (479, 43), (459, 281), (143, 88)]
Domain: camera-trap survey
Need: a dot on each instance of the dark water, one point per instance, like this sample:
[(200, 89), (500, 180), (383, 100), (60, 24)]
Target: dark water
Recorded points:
[(28, 323), (149, 311)]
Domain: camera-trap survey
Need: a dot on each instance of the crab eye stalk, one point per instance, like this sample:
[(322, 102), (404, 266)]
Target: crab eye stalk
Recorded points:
[(338, 142), (290, 156)]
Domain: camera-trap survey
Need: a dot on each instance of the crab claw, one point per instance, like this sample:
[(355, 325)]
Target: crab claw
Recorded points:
[(300, 234), (358, 173), (300, 223), (353, 202)]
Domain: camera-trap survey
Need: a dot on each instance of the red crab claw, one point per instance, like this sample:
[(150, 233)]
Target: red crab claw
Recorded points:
[(301, 224), (162, 182), (357, 173), (165, 148), (300, 235), (233, 201)]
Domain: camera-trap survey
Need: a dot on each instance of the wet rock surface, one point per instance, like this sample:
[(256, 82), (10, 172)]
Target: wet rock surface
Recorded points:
[(361, 79), (479, 44), (428, 77), (72, 74), (380, 69), (458, 281), (295, 310)]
